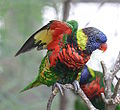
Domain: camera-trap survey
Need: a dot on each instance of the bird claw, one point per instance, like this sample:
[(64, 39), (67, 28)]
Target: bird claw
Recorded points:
[(60, 87), (76, 86)]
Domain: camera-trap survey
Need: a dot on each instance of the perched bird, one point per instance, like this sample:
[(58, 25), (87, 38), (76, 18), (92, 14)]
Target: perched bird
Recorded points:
[(91, 82), (69, 49), (93, 86), (88, 74)]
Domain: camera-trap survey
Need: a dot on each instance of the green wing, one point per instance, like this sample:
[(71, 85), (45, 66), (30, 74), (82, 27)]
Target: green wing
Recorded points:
[(45, 75)]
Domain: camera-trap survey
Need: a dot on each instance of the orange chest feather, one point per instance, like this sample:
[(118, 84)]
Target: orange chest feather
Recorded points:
[(69, 57)]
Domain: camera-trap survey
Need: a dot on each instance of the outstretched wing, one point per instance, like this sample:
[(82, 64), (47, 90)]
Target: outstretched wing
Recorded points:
[(46, 37)]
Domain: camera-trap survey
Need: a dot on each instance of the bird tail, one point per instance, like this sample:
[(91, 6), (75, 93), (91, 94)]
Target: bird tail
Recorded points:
[(35, 83)]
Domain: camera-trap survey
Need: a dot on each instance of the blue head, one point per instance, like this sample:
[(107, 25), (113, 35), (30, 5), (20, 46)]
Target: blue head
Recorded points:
[(86, 74), (96, 39)]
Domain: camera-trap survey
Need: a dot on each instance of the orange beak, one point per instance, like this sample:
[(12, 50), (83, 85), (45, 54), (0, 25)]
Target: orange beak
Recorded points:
[(103, 47)]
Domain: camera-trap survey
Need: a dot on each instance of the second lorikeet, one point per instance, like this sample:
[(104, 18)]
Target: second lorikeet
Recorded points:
[(69, 49), (91, 82)]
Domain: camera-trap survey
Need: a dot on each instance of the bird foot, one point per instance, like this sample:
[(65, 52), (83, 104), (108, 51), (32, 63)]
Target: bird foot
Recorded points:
[(76, 86), (60, 87)]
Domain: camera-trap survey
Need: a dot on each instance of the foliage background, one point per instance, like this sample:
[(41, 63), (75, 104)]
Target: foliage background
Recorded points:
[(18, 20)]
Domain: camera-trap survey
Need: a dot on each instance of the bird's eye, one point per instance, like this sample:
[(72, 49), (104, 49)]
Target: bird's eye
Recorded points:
[(97, 39)]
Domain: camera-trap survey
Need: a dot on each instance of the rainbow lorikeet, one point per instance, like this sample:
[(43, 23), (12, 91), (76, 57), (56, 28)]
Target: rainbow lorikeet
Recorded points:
[(91, 82), (69, 49)]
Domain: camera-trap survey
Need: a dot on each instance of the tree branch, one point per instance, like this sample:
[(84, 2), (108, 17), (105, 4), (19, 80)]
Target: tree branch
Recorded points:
[(107, 80), (54, 93), (116, 66), (107, 101), (80, 93), (111, 99), (116, 89)]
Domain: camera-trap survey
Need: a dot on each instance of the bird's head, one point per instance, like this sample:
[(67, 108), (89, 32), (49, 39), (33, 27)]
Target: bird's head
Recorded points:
[(86, 74), (90, 39)]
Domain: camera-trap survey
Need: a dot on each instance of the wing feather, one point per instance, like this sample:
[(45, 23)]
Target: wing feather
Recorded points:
[(45, 36)]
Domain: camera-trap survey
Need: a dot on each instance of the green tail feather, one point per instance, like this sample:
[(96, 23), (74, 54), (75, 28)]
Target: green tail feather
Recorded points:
[(35, 83)]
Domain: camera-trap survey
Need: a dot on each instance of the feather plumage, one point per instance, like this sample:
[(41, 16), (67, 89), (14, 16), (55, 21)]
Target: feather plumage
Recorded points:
[(93, 86), (69, 50), (46, 36)]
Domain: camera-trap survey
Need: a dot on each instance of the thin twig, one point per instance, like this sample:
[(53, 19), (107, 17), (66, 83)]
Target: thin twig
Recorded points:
[(54, 93), (107, 80), (116, 66), (116, 89), (116, 77), (104, 68)]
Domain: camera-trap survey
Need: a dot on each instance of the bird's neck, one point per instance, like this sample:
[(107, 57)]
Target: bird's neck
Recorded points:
[(81, 39)]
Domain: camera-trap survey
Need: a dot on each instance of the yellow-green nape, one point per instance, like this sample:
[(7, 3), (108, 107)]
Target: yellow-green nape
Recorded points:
[(91, 72), (81, 39)]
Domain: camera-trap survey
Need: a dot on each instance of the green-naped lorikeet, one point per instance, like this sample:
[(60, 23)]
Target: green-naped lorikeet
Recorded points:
[(69, 49), (91, 82)]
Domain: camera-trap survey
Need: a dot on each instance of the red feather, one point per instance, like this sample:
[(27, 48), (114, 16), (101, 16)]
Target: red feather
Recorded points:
[(93, 89), (60, 25), (67, 55)]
